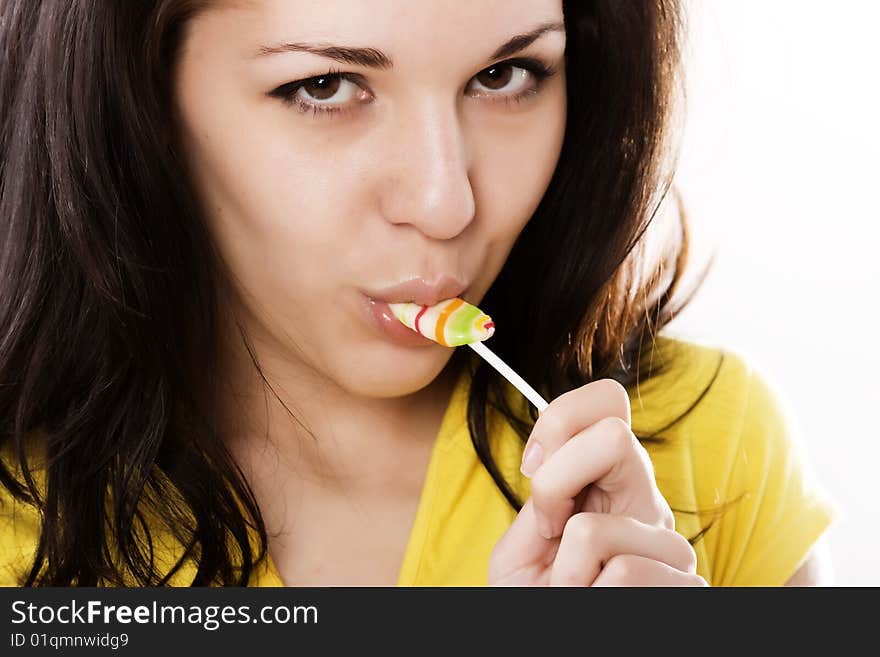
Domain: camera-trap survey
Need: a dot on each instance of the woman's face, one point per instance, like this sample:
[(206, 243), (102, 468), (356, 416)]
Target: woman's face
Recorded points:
[(422, 160)]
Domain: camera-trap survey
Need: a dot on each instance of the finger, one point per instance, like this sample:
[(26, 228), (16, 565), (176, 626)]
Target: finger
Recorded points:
[(521, 554), (570, 413), (590, 540), (635, 570), (608, 456)]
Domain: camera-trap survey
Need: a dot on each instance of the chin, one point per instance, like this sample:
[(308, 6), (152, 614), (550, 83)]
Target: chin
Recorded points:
[(395, 376)]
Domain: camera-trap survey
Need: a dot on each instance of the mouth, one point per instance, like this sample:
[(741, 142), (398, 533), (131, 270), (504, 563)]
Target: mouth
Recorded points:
[(416, 290)]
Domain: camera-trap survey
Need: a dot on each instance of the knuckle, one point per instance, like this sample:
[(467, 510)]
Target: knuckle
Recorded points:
[(688, 554), (622, 569), (618, 393), (618, 425), (614, 387), (582, 528), (660, 514), (619, 433), (667, 518)]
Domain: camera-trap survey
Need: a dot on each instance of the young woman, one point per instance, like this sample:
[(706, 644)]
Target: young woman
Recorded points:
[(207, 206)]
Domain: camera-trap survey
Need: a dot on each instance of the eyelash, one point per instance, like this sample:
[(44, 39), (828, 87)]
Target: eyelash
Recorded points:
[(287, 92)]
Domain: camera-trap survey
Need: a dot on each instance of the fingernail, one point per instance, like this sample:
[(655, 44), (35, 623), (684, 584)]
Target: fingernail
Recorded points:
[(531, 459), (545, 529)]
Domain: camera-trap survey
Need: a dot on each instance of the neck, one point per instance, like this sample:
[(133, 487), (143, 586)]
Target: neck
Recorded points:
[(295, 425)]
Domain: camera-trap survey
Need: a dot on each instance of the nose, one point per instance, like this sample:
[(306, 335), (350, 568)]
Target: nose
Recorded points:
[(426, 183)]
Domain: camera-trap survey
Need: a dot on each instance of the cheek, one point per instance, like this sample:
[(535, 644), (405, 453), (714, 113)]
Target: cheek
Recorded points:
[(276, 221), (516, 165), (519, 153), (277, 224), (516, 170)]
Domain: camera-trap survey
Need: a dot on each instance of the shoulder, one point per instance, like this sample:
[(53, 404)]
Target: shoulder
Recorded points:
[(719, 406), (728, 452), (691, 381), (714, 397), (20, 522)]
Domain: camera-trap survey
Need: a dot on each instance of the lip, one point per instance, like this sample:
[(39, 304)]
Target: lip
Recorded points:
[(418, 290)]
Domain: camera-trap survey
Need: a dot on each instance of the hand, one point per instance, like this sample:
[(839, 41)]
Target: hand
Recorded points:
[(595, 516)]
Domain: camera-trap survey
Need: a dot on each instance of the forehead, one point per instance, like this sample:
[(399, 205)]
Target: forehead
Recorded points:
[(401, 29)]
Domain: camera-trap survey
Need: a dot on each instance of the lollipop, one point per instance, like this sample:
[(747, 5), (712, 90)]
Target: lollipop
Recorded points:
[(455, 322), (452, 323)]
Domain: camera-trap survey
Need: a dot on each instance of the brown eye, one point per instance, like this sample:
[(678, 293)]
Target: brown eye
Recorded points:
[(322, 88), (504, 80), (496, 77)]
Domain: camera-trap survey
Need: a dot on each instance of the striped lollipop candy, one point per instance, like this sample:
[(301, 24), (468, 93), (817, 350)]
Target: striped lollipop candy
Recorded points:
[(451, 323), (455, 322)]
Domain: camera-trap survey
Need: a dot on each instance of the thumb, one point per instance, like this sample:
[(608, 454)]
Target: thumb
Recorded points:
[(521, 554)]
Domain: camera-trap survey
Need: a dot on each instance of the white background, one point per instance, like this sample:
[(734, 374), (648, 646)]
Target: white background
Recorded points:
[(779, 168)]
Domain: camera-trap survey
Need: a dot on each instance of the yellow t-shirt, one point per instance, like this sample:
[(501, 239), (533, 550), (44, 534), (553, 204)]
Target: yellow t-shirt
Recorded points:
[(733, 463)]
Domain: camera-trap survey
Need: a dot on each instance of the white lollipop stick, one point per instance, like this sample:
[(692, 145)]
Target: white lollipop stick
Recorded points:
[(515, 379)]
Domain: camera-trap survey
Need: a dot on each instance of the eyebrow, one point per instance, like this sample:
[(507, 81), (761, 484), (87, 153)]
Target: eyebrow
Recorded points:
[(373, 58)]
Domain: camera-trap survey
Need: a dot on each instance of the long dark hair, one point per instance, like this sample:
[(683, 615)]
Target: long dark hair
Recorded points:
[(108, 326)]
